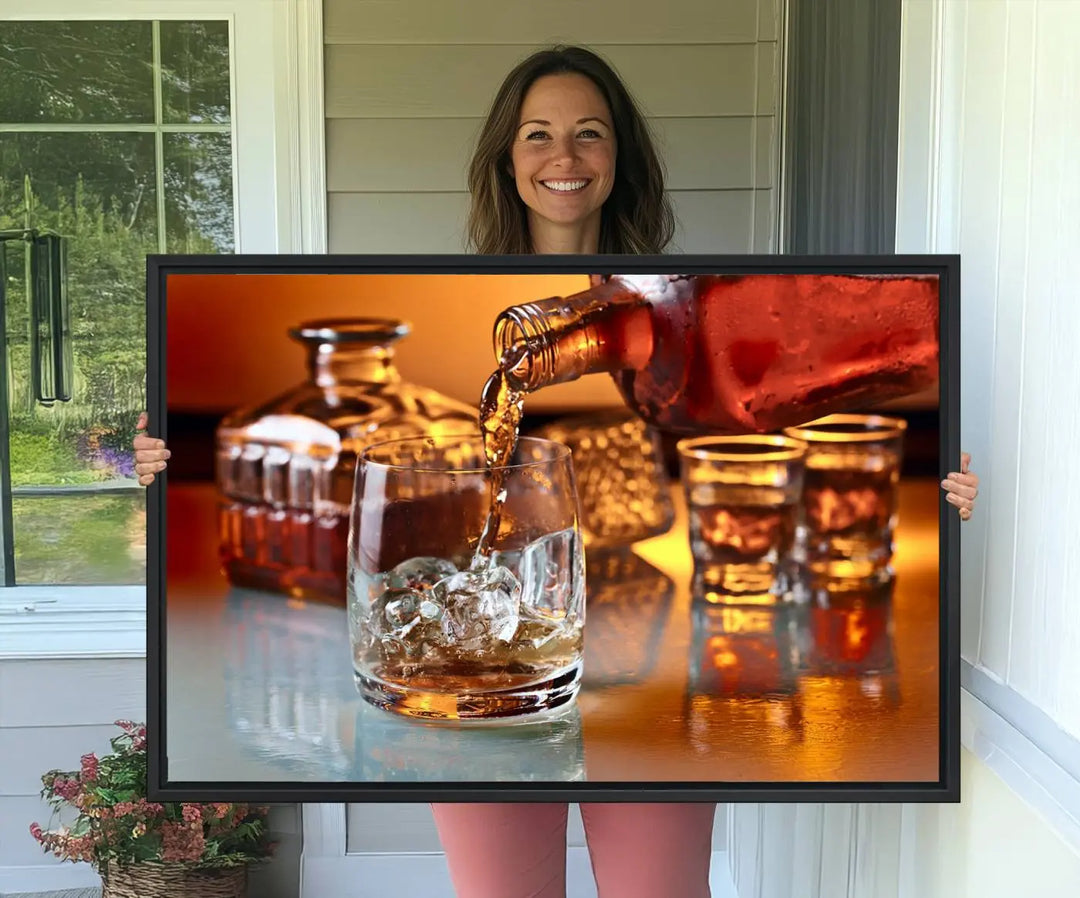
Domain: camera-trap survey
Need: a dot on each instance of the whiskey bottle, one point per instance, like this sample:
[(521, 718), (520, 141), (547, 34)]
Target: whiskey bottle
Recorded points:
[(285, 467), (732, 353)]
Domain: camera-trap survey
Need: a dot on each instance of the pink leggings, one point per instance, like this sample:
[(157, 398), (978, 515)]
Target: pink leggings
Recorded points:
[(519, 850)]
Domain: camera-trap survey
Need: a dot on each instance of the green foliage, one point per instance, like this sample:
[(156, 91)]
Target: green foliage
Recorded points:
[(76, 72), (116, 825), (106, 289), (38, 457)]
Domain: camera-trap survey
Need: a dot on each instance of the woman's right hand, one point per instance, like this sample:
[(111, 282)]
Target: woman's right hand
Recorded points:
[(150, 453)]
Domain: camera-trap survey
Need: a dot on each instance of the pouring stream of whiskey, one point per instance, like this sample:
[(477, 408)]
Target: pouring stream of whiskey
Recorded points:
[(501, 404)]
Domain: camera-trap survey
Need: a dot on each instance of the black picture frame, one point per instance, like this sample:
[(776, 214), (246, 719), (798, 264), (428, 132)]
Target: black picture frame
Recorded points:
[(946, 789)]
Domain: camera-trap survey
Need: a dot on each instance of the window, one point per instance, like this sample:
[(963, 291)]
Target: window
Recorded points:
[(117, 136), (144, 126)]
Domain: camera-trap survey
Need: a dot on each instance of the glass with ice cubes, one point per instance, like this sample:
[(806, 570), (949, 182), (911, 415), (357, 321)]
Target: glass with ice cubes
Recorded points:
[(440, 629)]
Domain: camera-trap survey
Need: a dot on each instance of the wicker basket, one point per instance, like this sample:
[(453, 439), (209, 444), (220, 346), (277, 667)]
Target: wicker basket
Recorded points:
[(153, 880)]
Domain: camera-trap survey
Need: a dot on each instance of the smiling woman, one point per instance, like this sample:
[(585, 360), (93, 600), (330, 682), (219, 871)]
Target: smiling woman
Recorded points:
[(565, 164), (563, 161)]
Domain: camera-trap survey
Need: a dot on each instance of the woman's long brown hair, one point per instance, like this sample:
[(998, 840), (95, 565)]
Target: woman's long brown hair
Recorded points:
[(637, 217)]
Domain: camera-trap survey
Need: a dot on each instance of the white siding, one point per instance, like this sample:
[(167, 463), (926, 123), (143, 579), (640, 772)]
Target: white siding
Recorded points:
[(1006, 198)]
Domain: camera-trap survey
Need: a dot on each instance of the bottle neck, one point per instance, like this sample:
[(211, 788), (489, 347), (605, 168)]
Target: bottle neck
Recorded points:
[(350, 350), (606, 328), (329, 365)]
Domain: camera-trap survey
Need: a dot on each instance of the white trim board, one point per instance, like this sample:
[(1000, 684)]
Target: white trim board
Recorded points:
[(72, 622), (307, 137), (1050, 789), (1026, 717)]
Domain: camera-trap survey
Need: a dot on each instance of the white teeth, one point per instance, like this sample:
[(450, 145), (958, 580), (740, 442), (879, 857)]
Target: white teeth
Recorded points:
[(564, 185)]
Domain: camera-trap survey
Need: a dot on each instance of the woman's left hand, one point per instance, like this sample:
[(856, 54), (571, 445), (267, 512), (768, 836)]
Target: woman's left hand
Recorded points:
[(961, 487)]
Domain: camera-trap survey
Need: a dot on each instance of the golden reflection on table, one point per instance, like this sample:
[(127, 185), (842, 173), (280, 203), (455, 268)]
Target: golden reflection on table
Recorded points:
[(259, 687)]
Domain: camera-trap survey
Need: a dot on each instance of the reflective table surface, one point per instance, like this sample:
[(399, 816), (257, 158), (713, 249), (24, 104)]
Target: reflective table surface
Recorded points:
[(259, 687)]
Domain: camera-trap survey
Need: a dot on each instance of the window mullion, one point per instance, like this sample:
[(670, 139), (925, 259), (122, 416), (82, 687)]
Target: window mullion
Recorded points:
[(159, 136)]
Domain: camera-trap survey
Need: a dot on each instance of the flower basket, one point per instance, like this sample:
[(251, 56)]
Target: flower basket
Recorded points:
[(158, 880), (147, 849)]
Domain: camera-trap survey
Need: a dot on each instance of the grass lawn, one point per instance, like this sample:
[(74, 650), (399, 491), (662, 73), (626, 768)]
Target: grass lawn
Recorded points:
[(81, 540), (74, 539)]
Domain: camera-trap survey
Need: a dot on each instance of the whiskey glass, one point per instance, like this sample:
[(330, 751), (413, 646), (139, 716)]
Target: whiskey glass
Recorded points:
[(849, 509), (742, 495), (440, 630)]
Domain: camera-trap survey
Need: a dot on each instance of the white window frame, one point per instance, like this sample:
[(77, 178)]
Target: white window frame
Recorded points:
[(279, 183)]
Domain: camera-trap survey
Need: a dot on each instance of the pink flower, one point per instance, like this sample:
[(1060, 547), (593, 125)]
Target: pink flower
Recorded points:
[(89, 767), (192, 813), (80, 848), (66, 788), (36, 832), (123, 808), (180, 842), (146, 808)]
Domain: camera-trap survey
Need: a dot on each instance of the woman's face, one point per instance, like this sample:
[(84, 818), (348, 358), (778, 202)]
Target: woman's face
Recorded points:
[(563, 154)]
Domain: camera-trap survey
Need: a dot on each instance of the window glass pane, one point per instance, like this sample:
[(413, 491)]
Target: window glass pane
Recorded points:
[(94, 183), (75, 518), (99, 191), (81, 539), (195, 72), (76, 72), (198, 193)]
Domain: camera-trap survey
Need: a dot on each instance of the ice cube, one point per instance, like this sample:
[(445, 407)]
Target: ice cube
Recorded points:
[(401, 607), (416, 639), (479, 606), (537, 629), (422, 572), (394, 612), (552, 572), (430, 609)]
